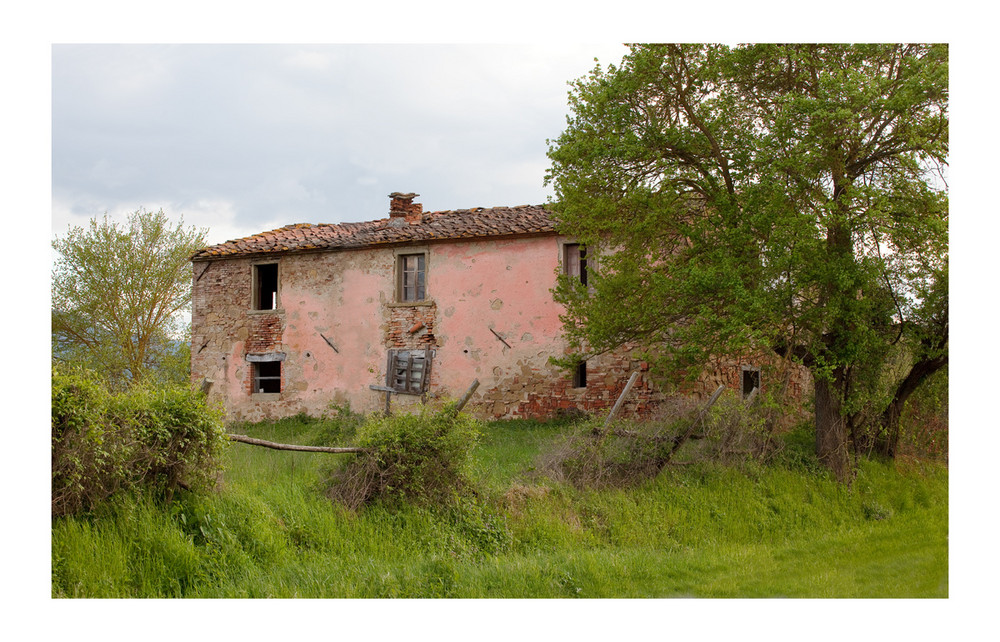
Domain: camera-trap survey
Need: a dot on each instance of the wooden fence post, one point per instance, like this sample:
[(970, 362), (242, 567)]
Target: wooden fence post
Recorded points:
[(388, 395)]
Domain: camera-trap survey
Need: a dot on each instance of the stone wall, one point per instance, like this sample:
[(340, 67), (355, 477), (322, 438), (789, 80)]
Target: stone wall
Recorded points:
[(539, 390)]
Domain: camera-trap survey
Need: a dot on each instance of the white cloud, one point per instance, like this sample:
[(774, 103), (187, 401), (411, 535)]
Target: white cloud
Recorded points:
[(310, 60), (220, 217), (223, 221), (282, 134)]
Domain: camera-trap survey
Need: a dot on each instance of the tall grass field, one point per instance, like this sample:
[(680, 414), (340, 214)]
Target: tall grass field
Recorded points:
[(784, 529)]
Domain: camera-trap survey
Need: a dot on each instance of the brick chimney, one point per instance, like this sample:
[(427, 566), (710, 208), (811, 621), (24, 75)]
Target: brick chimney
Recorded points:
[(402, 206)]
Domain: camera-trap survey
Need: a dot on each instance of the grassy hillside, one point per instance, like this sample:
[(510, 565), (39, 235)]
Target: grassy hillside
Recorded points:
[(700, 530)]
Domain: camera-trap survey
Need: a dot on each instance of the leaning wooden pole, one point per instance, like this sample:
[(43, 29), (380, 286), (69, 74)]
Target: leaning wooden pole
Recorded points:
[(468, 395), (697, 422), (621, 398), (309, 449)]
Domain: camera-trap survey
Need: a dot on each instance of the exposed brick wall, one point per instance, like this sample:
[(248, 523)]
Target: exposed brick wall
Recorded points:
[(543, 390), (219, 304), (332, 337), (222, 322), (264, 333), (411, 326)]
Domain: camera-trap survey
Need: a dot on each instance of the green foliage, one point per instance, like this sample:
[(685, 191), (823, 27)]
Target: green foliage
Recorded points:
[(171, 363), (116, 295), (339, 426), (924, 424), (485, 528), (423, 458), (758, 198), (734, 433), (702, 529), (146, 438)]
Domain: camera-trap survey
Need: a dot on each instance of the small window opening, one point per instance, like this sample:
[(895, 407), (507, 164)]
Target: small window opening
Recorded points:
[(575, 261), (412, 277), (751, 380), (409, 371), (266, 287), (267, 376), (580, 375)]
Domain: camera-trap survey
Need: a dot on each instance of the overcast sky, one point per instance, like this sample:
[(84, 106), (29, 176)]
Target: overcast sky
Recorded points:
[(245, 138)]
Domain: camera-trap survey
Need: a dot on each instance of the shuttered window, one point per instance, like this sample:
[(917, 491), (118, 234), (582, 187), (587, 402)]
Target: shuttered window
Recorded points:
[(409, 371)]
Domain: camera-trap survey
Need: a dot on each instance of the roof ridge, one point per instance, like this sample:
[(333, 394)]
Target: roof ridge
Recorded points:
[(518, 220)]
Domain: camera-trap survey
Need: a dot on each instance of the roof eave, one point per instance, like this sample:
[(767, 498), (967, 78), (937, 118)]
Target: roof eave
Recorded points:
[(368, 246)]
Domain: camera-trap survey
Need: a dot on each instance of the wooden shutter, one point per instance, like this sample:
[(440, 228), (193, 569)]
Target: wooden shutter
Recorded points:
[(409, 371)]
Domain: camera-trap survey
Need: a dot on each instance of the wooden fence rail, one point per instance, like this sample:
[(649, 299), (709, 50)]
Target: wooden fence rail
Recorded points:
[(309, 449)]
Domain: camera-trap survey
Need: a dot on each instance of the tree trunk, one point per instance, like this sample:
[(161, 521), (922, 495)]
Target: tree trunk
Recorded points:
[(888, 440), (831, 429)]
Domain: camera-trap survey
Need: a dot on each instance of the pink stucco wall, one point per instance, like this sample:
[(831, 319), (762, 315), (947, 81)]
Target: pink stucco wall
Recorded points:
[(347, 298), (502, 287)]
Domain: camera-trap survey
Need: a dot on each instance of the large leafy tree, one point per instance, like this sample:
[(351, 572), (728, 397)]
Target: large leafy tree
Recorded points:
[(117, 293), (767, 197)]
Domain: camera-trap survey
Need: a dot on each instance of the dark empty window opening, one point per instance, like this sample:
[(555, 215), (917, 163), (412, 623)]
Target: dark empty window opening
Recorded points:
[(575, 261), (265, 287), (267, 376), (412, 277), (580, 375), (751, 380), (409, 371)]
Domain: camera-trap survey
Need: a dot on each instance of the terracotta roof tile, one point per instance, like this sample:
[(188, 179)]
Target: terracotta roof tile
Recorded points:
[(452, 224)]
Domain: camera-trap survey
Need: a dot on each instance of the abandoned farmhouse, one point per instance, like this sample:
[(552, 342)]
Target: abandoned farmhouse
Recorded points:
[(422, 303)]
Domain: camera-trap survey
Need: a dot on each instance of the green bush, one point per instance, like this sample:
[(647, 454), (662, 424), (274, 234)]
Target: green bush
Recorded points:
[(734, 433), (153, 438), (423, 458)]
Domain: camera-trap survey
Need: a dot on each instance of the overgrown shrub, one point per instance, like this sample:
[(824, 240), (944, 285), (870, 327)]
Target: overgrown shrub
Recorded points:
[(154, 438), (591, 457), (423, 458), (627, 453), (734, 433)]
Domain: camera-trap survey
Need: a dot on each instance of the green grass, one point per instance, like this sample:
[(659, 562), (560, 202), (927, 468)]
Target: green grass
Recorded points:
[(785, 530)]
